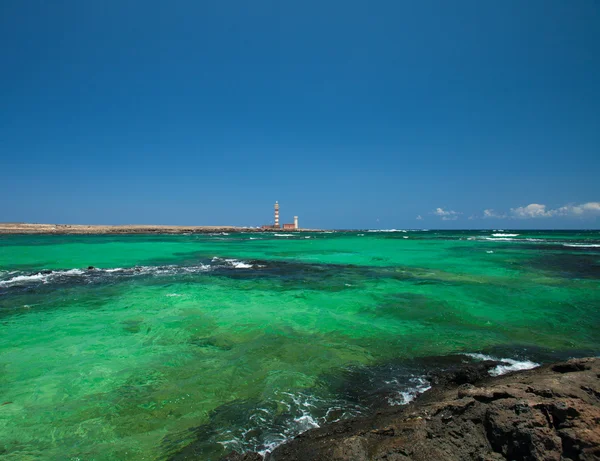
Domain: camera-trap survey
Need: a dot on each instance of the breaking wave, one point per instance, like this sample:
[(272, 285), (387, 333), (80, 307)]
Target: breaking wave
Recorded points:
[(387, 230), (91, 274), (507, 365), (268, 427), (418, 385), (42, 276)]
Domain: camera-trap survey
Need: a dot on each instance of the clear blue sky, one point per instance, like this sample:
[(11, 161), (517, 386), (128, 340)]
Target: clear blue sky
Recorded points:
[(350, 113)]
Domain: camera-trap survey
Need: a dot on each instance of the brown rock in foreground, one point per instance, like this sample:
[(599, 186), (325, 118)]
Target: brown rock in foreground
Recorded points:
[(550, 413)]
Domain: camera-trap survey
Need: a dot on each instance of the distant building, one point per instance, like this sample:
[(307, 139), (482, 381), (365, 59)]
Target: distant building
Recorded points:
[(288, 226)]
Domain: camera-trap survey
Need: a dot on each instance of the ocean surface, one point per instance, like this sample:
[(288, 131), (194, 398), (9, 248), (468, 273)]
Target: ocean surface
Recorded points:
[(240, 341)]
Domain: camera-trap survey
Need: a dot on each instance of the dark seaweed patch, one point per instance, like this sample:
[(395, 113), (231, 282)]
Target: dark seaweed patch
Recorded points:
[(212, 342), (569, 265)]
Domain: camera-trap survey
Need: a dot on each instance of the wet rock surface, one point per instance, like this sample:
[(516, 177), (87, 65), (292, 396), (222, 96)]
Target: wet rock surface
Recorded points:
[(549, 413)]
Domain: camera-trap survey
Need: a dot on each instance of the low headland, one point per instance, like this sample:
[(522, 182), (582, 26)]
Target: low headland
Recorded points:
[(550, 413), (68, 229)]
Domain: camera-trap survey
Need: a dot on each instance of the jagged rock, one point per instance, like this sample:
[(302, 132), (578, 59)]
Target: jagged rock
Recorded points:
[(551, 413)]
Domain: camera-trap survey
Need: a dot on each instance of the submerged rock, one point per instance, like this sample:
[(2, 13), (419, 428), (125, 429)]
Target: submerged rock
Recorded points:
[(549, 413)]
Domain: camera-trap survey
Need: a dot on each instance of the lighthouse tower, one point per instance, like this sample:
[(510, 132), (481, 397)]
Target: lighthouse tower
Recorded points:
[(277, 215)]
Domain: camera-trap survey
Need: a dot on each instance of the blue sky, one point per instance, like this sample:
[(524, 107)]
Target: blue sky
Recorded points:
[(351, 114)]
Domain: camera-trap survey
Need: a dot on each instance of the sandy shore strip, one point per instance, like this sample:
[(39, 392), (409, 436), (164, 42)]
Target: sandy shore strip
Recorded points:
[(27, 228)]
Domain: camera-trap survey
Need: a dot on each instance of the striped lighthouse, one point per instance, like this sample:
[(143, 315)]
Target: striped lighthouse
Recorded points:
[(277, 215)]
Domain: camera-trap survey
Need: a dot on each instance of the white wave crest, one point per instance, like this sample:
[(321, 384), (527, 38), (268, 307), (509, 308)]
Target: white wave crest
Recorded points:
[(418, 386), (507, 365), (239, 264), (582, 245), (45, 277), (40, 276), (387, 230), (505, 235), (22, 278), (283, 235)]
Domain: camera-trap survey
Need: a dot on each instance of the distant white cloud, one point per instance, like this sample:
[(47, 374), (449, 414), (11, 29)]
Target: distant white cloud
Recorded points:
[(533, 210), (536, 210), (489, 213), (446, 215), (585, 209)]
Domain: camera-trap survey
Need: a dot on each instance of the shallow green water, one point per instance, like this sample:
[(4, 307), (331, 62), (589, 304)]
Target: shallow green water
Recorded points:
[(239, 341)]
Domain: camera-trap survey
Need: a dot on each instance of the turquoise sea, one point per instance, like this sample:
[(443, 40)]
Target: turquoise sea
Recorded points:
[(140, 347)]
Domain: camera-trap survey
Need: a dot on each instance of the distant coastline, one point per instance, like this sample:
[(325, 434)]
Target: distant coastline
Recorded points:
[(67, 229)]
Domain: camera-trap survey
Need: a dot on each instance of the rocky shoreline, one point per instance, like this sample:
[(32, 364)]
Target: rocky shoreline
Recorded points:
[(548, 413)]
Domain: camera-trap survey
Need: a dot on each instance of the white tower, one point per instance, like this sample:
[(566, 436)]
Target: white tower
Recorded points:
[(295, 222), (277, 215)]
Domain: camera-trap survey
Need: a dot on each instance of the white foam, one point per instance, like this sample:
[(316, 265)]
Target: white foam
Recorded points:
[(173, 295), (133, 271), (283, 235), (44, 278), (508, 239), (239, 264), (504, 235), (489, 252), (493, 239), (582, 245), (507, 366), (405, 237), (386, 230), (22, 278), (419, 385)]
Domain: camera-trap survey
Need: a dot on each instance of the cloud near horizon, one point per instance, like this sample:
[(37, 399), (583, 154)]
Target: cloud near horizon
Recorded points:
[(489, 213), (446, 215), (531, 211), (536, 210)]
